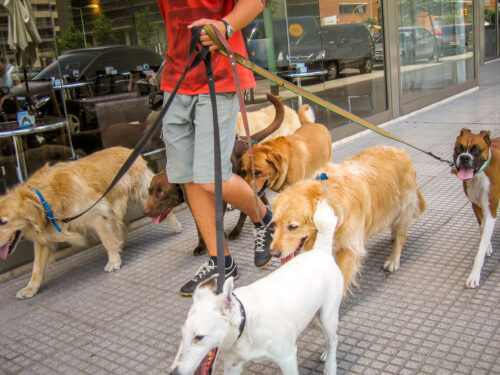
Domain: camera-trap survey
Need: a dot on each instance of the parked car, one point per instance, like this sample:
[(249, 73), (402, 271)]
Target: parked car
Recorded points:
[(415, 43), (301, 45), (106, 70), (455, 39)]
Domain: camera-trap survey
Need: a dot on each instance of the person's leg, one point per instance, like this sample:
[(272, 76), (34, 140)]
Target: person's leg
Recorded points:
[(235, 190)]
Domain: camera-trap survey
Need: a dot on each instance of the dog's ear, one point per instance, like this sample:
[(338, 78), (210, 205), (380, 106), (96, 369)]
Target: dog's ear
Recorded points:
[(209, 284), (33, 213), (276, 160), (486, 136), (227, 296), (464, 131)]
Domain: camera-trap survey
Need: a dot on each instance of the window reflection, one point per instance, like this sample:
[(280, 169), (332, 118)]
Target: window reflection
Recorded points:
[(329, 51), (435, 46)]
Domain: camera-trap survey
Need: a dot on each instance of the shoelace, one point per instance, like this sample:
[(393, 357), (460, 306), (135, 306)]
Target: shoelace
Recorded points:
[(204, 269), (260, 237)]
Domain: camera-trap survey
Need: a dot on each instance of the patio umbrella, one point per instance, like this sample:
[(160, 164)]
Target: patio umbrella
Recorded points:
[(23, 35)]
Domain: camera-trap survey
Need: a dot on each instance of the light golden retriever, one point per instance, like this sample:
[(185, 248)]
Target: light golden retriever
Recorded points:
[(370, 192), (258, 120), (282, 161), (69, 188)]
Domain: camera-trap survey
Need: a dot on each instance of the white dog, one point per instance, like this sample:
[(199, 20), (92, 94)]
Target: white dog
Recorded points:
[(263, 320)]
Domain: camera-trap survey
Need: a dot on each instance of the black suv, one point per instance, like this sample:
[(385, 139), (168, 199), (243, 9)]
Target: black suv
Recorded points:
[(303, 46)]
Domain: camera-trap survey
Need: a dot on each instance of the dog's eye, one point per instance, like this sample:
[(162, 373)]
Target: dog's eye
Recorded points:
[(459, 149), (258, 173), (475, 150), (3, 222), (292, 227), (198, 338)]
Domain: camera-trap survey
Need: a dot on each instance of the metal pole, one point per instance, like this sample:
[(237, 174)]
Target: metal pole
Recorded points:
[(83, 28)]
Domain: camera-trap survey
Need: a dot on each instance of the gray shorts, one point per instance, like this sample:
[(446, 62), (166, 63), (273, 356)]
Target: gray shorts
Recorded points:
[(188, 136)]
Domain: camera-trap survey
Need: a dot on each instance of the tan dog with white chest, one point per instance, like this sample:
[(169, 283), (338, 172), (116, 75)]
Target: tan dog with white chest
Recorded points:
[(477, 160), (370, 192), (283, 161)]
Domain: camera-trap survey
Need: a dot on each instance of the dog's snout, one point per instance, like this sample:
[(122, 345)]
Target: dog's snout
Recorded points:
[(175, 372), (275, 253), (146, 211)]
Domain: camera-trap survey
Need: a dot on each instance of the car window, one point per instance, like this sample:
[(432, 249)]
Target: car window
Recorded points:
[(72, 66)]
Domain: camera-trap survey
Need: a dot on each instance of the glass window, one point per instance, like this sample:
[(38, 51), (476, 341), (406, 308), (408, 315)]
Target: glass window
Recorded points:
[(330, 51), (435, 46)]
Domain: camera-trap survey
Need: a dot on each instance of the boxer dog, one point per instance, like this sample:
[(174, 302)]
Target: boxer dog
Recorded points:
[(477, 162)]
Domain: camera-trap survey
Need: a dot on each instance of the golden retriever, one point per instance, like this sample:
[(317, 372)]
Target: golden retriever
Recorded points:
[(283, 161), (370, 192), (69, 188), (258, 120)]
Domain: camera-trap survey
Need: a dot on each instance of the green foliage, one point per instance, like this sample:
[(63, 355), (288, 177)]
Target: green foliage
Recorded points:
[(147, 30), (489, 16), (102, 31), (73, 39)]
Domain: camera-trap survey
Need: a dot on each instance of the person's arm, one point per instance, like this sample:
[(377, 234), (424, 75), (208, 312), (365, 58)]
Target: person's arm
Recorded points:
[(242, 14)]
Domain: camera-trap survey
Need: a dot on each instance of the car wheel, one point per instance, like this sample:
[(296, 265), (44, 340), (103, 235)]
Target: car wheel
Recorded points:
[(333, 71), (73, 123), (366, 66)]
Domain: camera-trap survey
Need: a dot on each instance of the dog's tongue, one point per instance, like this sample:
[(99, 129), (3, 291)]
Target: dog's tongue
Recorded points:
[(465, 173), (287, 258), (159, 219), (4, 251), (205, 367)]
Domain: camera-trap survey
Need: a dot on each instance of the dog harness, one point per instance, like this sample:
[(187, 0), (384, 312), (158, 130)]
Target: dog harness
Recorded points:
[(48, 210), (243, 316)]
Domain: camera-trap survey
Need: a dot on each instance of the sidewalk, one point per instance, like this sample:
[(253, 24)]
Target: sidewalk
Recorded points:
[(419, 320)]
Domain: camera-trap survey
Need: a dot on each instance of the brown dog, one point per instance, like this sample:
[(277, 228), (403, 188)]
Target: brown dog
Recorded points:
[(477, 161), (69, 188), (283, 161), (370, 192)]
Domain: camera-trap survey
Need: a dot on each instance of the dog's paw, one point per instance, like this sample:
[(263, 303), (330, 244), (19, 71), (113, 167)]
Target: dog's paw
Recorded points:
[(199, 250), (391, 265), (112, 266), (27, 292), (473, 281), (174, 223), (324, 355), (489, 250)]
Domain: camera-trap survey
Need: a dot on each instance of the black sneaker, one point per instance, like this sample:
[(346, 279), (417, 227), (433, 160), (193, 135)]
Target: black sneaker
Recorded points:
[(205, 271), (263, 236)]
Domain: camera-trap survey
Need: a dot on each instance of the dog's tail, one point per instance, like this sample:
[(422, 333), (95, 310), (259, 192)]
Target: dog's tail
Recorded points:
[(421, 204), (306, 114)]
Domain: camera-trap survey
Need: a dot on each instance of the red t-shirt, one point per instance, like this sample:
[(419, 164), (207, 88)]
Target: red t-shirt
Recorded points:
[(178, 14)]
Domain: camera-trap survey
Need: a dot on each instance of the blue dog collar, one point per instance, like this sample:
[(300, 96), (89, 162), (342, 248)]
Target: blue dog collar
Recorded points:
[(322, 177), (48, 210)]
